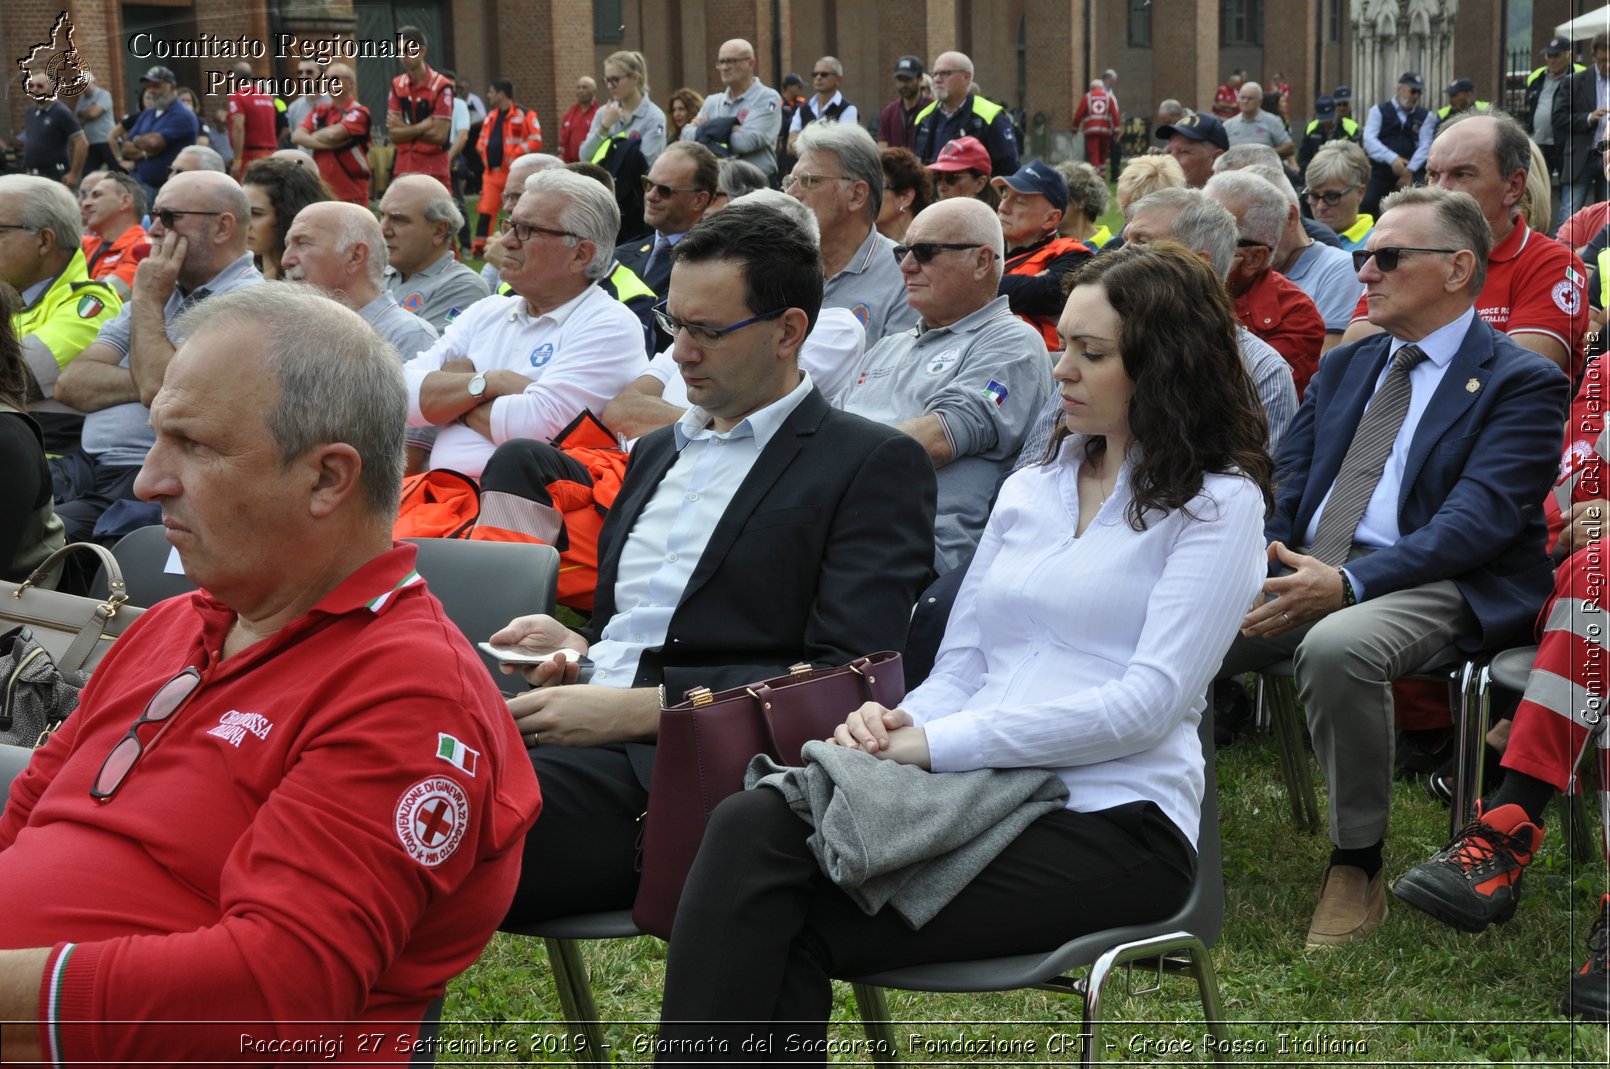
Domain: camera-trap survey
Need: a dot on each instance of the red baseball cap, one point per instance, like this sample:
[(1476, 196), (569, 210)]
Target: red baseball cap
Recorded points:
[(963, 154)]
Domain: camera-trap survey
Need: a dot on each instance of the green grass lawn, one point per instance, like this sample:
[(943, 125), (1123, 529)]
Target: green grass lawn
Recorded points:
[(1418, 993)]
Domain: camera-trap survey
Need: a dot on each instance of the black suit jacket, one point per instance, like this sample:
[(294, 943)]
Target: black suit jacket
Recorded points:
[(1470, 507), (819, 557), (1575, 100)]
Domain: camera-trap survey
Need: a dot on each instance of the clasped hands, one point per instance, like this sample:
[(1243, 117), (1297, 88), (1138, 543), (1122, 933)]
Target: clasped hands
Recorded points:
[(1311, 591), (887, 734)]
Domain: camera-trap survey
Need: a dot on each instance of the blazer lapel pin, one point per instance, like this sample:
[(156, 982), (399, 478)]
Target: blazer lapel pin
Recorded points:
[(1472, 386)]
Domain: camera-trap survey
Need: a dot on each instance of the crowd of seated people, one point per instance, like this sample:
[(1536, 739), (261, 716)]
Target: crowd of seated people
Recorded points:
[(757, 435)]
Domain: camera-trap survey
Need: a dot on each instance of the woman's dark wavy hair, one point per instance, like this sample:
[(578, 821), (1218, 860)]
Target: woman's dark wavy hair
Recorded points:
[(905, 171), (14, 376), (1194, 409), (290, 188)]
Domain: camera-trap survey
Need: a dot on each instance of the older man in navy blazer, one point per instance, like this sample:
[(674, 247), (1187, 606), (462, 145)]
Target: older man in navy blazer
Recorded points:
[(1413, 477)]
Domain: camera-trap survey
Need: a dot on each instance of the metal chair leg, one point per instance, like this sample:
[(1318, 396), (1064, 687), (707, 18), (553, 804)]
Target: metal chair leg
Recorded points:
[(1475, 707), (1294, 770), (1198, 962), (576, 1000), (875, 1023)]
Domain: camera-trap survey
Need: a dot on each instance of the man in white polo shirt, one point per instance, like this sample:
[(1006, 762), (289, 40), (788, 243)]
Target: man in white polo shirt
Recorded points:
[(525, 365)]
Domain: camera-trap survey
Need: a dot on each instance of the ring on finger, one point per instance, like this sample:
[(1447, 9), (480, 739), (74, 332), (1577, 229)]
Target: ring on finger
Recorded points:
[(1287, 615)]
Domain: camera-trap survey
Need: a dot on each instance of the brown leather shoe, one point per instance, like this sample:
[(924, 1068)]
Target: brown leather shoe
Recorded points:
[(1351, 906)]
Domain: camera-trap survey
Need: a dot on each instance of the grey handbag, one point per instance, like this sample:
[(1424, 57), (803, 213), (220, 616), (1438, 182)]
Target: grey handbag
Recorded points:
[(35, 697), (75, 631)]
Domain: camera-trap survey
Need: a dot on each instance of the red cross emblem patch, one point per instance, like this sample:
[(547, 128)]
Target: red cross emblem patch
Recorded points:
[(431, 819)]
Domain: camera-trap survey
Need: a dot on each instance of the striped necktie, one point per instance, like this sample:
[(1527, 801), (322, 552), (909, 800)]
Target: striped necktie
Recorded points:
[(1365, 460)]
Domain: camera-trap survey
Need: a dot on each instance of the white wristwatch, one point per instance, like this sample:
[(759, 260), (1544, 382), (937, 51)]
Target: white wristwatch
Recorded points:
[(478, 385)]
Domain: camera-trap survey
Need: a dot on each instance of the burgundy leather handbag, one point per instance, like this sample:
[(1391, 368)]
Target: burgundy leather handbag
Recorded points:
[(707, 741)]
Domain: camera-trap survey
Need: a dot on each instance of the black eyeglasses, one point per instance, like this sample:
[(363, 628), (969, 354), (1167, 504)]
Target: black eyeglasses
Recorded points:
[(1387, 256), (168, 699), (705, 337), (523, 231), (664, 190), (614, 79), (1248, 243), (925, 251), (1332, 199), (166, 216)]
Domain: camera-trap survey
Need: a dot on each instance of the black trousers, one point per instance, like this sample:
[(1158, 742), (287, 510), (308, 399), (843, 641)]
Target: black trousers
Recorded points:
[(581, 855), (760, 931)]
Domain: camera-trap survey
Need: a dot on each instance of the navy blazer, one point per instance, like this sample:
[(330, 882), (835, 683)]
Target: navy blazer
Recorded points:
[(635, 254), (1483, 457)]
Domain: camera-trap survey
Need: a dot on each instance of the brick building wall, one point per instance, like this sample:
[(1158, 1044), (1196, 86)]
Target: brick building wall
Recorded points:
[(544, 45)]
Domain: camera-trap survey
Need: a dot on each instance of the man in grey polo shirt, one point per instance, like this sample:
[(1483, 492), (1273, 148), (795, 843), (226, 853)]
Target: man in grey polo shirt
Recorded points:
[(968, 381), (755, 107), (839, 176), (198, 249), (338, 247), (418, 220), (1256, 126)]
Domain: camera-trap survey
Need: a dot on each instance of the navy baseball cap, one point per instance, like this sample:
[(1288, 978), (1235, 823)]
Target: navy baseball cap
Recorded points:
[(1343, 92), (1325, 109), (910, 66), (159, 74), (1459, 85), (1557, 45), (1198, 127), (1413, 79), (1038, 177)]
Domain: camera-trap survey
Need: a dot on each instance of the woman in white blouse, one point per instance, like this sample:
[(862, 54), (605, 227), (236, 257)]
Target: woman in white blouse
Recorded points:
[(1108, 585)]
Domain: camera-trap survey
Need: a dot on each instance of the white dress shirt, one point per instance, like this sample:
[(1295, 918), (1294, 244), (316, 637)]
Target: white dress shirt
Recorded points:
[(1091, 655), (670, 535)]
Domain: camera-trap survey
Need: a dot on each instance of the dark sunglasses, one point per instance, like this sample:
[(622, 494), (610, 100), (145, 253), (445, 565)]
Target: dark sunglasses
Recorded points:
[(166, 216), (1333, 199), (168, 699), (1387, 256), (925, 251), (664, 190)]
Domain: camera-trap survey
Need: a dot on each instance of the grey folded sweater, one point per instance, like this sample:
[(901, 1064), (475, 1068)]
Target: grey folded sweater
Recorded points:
[(899, 835)]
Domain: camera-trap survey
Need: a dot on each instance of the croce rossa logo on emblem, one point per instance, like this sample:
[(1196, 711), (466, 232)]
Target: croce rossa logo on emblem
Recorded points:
[(58, 60)]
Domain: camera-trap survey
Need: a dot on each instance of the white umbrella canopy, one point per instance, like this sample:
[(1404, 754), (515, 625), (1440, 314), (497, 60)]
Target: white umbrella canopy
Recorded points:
[(1584, 27)]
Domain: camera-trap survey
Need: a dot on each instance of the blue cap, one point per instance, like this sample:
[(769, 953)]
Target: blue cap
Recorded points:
[(1343, 92), (1199, 127), (159, 74), (1413, 79), (1039, 177), (1325, 109), (1459, 85), (1557, 45)]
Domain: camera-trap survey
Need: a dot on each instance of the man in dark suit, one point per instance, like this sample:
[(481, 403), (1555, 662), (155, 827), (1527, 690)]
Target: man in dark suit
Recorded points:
[(676, 193), (760, 530), (1413, 476), (1579, 125)]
